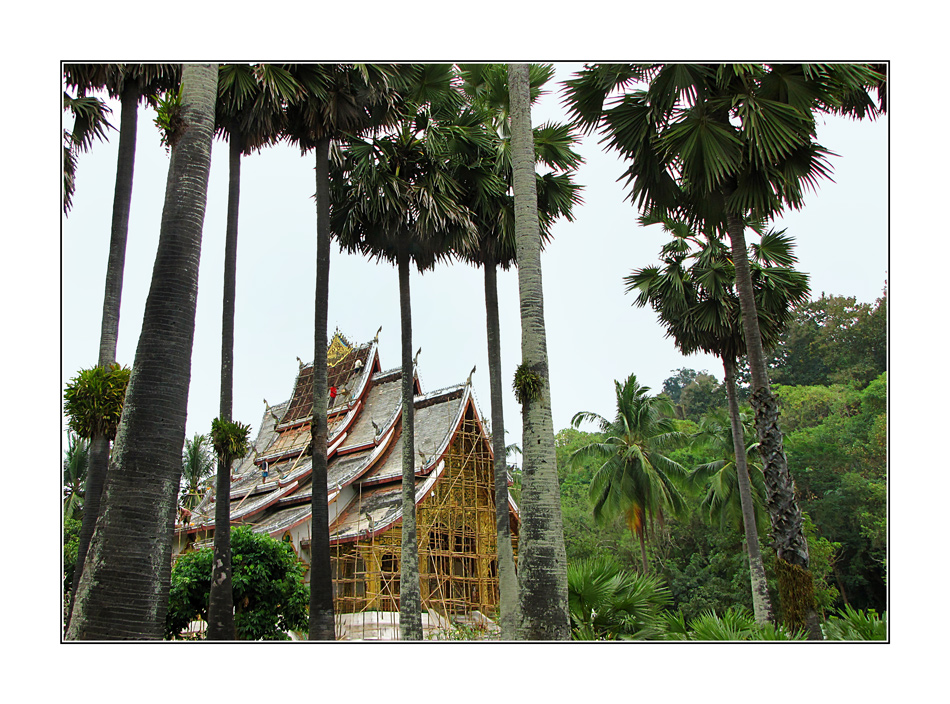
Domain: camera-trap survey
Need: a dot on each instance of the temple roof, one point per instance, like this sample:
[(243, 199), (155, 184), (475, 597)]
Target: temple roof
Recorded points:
[(364, 450)]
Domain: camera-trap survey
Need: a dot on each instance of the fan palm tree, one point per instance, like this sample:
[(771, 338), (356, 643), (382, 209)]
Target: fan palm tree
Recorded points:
[(636, 478), (123, 591), (395, 199), (74, 475), (337, 99), (250, 115), (718, 146), (486, 89), (542, 560), (197, 467), (609, 603), (700, 310)]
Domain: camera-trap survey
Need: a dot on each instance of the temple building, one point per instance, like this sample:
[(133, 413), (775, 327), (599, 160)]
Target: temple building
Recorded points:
[(455, 499)]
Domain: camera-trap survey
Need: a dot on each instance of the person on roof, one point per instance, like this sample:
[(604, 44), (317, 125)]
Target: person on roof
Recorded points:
[(332, 396)]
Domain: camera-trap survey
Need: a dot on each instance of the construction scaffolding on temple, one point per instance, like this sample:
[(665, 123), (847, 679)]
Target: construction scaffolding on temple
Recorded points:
[(454, 491)]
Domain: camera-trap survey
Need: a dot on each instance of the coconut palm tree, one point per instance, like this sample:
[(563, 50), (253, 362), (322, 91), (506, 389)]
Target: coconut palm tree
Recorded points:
[(74, 475), (197, 467), (123, 591), (542, 560), (636, 478), (719, 477), (395, 199), (486, 89), (718, 145), (336, 100), (700, 310)]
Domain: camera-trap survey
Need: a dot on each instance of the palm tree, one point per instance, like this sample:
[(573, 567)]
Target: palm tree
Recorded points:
[(719, 146), (130, 83), (89, 124), (609, 603), (337, 99), (395, 199), (701, 311), (93, 404), (123, 592), (719, 478), (486, 88), (636, 478), (542, 560), (197, 467), (74, 475), (250, 115)]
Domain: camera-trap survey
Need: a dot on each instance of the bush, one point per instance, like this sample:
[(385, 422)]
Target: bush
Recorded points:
[(270, 597), (850, 624)]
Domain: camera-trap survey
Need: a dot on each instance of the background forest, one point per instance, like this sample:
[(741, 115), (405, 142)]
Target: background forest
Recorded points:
[(830, 372)]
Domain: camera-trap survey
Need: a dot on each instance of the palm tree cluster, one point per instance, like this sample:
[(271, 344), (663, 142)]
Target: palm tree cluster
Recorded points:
[(419, 165), (413, 166)]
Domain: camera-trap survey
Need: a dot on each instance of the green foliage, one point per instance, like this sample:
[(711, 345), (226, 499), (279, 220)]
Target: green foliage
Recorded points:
[(607, 602), (736, 623), (168, 118), (701, 396), (673, 386), (705, 565), (94, 400), (197, 467), (833, 340), (839, 460), (230, 438), (269, 593), (852, 624), (635, 476), (527, 385), (75, 465), (71, 528)]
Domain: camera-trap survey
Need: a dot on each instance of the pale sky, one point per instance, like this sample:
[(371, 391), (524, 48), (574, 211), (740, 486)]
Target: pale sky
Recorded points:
[(594, 334)]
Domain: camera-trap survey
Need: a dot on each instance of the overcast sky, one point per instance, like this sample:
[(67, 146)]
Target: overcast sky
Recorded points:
[(594, 334)]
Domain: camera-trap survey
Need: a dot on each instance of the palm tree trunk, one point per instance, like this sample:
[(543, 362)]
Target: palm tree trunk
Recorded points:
[(542, 560), (410, 597), (123, 592), (507, 575), (220, 599), (98, 458), (111, 303), (761, 605), (796, 584), (321, 625), (121, 206)]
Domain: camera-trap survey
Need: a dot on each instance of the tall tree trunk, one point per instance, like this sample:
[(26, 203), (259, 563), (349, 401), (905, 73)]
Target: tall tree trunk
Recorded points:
[(220, 599), (507, 575), (121, 207), (796, 584), (321, 582), (761, 604), (123, 592), (542, 560), (410, 597), (111, 304)]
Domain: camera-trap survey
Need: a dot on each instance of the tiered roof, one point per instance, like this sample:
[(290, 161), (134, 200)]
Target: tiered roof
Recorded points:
[(271, 487)]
